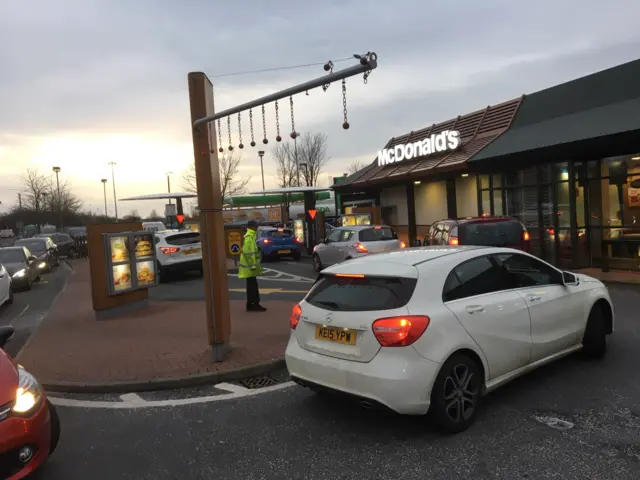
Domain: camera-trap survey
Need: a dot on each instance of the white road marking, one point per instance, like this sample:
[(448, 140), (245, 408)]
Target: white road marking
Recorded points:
[(554, 422), (281, 276), (230, 387), (15, 320), (68, 402), (132, 398)]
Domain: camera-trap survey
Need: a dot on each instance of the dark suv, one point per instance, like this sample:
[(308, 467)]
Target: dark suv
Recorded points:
[(486, 231)]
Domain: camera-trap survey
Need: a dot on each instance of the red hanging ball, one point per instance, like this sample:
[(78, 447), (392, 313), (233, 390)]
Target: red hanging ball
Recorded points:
[(231, 148), (241, 146), (221, 149), (278, 138), (345, 125), (265, 141), (253, 144), (293, 135)]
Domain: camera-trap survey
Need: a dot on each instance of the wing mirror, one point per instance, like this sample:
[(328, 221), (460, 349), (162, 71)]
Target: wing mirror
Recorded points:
[(569, 278), (5, 335), (32, 258)]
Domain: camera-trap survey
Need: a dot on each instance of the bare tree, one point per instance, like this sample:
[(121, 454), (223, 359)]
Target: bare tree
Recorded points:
[(132, 216), (231, 183), (284, 154), (312, 155), (36, 189), (355, 166)]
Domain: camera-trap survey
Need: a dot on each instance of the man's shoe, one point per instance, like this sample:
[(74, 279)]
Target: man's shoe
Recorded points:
[(260, 308)]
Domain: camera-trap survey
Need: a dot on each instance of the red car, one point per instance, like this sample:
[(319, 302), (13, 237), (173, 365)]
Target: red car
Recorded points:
[(29, 423)]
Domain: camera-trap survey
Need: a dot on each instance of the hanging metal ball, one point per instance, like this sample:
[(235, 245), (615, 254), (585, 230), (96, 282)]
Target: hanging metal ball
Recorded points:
[(221, 149), (231, 148), (327, 67), (211, 151), (345, 125), (265, 141), (293, 135), (253, 144), (241, 146), (278, 138)]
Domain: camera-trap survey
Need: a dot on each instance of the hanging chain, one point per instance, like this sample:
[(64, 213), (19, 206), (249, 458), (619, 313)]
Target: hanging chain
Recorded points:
[(264, 127), (278, 137), (294, 134), (366, 76), (220, 138), (230, 147), (240, 145), (345, 125), (330, 70), (253, 140)]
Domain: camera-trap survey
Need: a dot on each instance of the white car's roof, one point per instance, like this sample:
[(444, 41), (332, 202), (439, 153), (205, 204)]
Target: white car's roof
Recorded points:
[(173, 232)]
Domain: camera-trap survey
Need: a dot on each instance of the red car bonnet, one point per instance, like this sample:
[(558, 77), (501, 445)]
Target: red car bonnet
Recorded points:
[(8, 378)]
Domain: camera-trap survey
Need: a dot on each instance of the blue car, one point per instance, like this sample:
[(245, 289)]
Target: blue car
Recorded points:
[(278, 242)]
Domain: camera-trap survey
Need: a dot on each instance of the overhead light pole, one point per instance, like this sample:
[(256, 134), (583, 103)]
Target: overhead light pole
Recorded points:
[(104, 189), (113, 183), (168, 174), (261, 154), (56, 170)]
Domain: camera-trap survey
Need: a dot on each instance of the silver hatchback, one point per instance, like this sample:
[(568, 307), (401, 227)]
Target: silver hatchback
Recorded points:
[(344, 243)]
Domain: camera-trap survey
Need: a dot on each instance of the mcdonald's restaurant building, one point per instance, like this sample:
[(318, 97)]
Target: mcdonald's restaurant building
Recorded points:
[(565, 161)]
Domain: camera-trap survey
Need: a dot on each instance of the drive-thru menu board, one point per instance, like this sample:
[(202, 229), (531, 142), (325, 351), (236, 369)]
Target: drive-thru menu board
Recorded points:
[(131, 261)]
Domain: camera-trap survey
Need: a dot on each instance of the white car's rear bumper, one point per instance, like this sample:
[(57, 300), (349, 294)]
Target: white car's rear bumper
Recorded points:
[(397, 378)]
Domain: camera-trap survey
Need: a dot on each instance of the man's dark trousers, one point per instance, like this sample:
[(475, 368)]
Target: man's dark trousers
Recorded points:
[(253, 294)]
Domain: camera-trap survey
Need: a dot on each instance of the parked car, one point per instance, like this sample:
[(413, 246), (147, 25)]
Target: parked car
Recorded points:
[(177, 251), (488, 231), (6, 233), (431, 330), (6, 290), (345, 243), (43, 249), (65, 244), (278, 242), (21, 265), (29, 423)]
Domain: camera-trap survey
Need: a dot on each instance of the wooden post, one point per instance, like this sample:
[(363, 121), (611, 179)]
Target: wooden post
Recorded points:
[(214, 258)]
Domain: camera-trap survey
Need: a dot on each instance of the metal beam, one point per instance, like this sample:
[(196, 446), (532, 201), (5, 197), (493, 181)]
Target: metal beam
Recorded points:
[(368, 63)]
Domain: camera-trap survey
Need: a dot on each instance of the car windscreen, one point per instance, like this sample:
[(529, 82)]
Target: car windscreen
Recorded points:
[(491, 233), (278, 233), (361, 294), (33, 245), (183, 239), (11, 256), (377, 234)]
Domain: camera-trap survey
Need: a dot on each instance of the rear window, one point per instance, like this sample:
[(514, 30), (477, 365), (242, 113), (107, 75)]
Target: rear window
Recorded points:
[(349, 294), (377, 234), (183, 238), (491, 233), (278, 234)]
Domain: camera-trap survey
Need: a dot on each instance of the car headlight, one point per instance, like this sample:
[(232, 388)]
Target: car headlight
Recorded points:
[(42, 265), (29, 393), (20, 273)]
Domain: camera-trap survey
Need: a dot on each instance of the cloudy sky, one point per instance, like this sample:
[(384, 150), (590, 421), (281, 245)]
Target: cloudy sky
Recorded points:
[(85, 82)]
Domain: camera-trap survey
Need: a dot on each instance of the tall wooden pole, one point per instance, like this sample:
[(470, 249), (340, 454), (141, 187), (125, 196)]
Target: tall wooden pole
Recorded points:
[(214, 258)]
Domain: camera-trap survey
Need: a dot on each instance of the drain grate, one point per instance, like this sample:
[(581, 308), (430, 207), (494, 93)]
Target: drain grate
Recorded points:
[(258, 382)]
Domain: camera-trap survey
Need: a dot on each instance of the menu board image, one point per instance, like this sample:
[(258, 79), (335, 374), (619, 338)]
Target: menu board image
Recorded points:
[(145, 272), (143, 246), (119, 249), (121, 278)]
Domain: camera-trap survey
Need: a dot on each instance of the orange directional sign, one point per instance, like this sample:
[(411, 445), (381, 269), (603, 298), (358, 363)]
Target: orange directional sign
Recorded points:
[(312, 214), (180, 218)]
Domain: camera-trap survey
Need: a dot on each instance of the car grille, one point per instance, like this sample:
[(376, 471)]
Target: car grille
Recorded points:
[(4, 411)]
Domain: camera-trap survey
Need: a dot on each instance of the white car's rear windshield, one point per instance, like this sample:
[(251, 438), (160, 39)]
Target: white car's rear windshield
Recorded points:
[(183, 238), (377, 234), (361, 294)]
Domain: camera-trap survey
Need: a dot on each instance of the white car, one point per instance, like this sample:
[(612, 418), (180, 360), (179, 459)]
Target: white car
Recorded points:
[(431, 330), (6, 292), (178, 251), (345, 243)]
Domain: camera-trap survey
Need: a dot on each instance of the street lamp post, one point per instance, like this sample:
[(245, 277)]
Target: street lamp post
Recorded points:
[(261, 154), (104, 189), (304, 166), (113, 183), (168, 174), (56, 170)]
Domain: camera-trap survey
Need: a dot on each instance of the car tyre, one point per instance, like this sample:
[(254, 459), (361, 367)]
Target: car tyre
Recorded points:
[(29, 284), (38, 278), (161, 274), (72, 253), (11, 294), (317, 263), (55, 427), (456, 394), (594, 341), (263, 257)]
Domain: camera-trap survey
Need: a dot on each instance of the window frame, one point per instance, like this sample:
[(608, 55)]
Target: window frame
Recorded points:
[(533, 260)]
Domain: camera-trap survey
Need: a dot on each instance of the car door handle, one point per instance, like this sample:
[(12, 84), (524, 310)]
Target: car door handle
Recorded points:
[(534, 298), (475, 309)]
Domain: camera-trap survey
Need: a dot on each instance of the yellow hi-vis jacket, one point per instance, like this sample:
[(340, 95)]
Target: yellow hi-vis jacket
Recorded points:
[(249, 257)]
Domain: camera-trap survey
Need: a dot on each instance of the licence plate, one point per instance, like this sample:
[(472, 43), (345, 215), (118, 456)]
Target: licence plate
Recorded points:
[(190, 251), (338, 335), (284, 251)]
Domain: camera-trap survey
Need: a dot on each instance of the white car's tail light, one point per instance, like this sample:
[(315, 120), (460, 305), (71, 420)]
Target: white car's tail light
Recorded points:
[(296, 313), (360, 248), (169, 250), (400, 331)]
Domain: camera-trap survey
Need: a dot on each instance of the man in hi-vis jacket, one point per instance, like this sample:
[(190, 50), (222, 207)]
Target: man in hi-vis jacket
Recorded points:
[(250, 267)]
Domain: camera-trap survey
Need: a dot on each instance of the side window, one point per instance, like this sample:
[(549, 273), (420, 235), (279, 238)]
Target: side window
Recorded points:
[(429, 236), (335, 235), (346, 235), (445, 234), (524, 271), (473, 277), (437, 237)]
